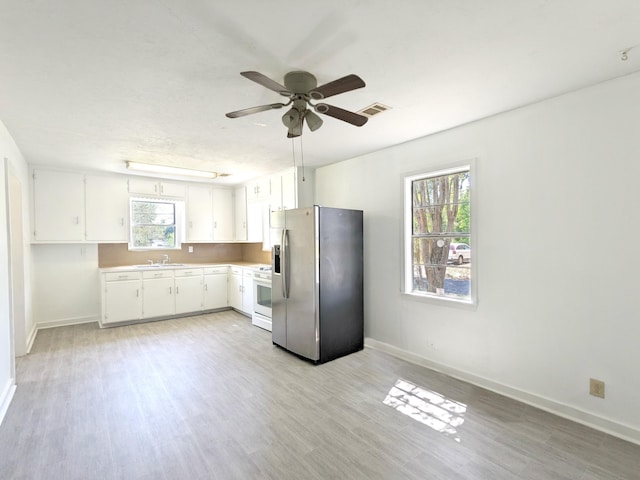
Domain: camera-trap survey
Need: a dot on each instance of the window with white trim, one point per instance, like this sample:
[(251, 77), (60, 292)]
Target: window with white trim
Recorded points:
[(156, 224), (438, 246)]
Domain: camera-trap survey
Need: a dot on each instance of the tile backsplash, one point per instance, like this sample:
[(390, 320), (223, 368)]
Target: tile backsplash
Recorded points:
[(118, 254)]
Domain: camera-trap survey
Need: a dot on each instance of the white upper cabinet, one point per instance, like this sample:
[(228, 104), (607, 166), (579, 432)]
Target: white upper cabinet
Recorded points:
[(199, 214), (292, 188), (107, 209), (58, 206), (289, 198), (156, 188), (240, 214), (222, 214), (258, 190)]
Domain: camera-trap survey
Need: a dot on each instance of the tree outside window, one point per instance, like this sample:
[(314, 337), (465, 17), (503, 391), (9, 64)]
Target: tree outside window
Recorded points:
[(153, 224), (440, 237)]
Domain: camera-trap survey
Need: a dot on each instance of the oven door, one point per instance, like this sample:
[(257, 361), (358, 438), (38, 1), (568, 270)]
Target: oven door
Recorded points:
[(262, 297)]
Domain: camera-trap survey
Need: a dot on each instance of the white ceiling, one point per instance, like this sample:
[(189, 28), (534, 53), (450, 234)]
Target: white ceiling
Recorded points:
[(88, 84)]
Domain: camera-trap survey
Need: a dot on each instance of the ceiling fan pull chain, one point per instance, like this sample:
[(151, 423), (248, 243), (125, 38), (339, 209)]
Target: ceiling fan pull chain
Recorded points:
[(302, 158), (293, 151)]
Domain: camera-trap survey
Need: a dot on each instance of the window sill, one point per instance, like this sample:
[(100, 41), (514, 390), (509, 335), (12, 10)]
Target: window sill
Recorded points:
[(442, 301)]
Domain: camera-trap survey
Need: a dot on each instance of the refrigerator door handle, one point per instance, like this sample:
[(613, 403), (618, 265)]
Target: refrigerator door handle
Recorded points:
[(285, 263)]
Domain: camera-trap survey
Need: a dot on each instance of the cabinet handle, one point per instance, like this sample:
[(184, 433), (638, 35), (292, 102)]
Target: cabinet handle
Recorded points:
[(206, 287), (177, 290), (215, 224), (170, 290), (161, 188), (137, 292), (122, 221), (190, 224), (155, 188), (77, 220)]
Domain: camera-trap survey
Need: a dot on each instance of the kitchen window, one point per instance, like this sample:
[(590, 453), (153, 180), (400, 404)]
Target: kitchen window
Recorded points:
[(439, 251), (155, 224)]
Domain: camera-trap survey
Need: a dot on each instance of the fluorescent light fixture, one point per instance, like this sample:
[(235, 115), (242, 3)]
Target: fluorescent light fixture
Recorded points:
[(149, 167)]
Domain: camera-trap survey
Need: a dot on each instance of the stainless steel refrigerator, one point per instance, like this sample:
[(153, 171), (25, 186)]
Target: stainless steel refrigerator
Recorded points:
[(317, 282)]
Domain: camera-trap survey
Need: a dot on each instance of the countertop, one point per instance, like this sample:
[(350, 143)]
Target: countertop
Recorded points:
[(142, 268)]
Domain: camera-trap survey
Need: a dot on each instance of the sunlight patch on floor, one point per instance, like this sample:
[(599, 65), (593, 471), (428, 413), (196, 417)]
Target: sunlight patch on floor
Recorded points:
[(438, 412)]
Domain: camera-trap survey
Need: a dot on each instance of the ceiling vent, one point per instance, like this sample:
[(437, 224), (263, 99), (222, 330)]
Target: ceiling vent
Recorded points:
[(373, 109)]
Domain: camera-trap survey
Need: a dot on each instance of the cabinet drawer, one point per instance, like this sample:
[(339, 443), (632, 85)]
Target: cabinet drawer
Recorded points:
[(119, 276), (235, 270), (248, 272), (216, 270), (188, 272), (158, 274)]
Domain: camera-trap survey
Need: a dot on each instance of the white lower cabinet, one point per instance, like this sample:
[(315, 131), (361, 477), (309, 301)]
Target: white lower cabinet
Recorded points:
[(188, 285), (215, 287), (247, 291), (163, 292), (158, 298), (121, 297), (235, 288)]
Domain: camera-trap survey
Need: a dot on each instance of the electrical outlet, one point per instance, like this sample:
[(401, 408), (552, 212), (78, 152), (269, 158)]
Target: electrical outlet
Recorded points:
[(190, 248), (596, 388)]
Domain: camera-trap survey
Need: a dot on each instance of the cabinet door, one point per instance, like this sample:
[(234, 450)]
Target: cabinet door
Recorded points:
[(247, 291), (158, 297), (235, 291), (258, 190), (222, 214), (289, 194), (199, 214), (240, 214), (254, 221), (275, 198), (144, 186), (122, 301), (215, 291), (188, 294), (107, 209), (58, 203), (172, 189)]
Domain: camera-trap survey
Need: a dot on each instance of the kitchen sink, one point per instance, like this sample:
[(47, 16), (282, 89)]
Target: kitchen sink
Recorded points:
[(159, 265)]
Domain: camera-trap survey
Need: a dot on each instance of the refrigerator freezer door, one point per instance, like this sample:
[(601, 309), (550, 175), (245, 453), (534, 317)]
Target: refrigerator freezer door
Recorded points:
[(301, 267), (278, 303)]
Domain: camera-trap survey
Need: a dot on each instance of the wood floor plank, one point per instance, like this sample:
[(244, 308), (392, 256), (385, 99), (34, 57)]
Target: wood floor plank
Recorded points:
[(210, 397)]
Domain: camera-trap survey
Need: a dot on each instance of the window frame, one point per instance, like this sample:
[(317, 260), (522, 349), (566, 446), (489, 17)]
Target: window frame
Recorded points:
[(179, 227), (407, 258)]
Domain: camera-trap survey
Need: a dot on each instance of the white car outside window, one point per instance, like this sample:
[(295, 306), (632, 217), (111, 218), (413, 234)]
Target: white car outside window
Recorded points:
[(459, 253)]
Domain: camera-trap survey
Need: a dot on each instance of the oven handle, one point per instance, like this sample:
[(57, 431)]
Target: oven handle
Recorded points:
[(285, 262)]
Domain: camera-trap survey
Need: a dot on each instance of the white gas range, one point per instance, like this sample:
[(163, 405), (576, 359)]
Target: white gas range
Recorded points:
[(261, 316)]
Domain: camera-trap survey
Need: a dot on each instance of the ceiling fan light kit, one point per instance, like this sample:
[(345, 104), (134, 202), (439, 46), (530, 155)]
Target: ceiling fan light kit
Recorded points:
[(301, 88)]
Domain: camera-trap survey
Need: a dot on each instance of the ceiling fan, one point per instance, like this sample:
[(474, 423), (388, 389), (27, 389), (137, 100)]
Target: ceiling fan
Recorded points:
[(301, 88)]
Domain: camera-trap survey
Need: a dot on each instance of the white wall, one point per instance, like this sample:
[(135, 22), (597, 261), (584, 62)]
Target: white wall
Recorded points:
[(11, 159), (66, 284), (557, 211)]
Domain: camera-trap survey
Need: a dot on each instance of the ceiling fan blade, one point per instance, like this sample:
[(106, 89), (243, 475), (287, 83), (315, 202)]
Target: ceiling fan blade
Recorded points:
[(341, 114), (249, 111), (344, 84), (266, 82)]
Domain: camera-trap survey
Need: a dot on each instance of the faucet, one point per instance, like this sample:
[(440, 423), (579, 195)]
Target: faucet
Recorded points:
[(165, 259)]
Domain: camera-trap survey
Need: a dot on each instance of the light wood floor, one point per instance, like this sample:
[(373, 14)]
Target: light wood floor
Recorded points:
[(210, 397)]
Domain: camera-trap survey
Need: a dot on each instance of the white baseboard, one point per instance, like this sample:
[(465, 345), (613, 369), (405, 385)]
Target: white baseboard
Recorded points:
[(6, 396), (65, 322), (569, 412), (31, 338)]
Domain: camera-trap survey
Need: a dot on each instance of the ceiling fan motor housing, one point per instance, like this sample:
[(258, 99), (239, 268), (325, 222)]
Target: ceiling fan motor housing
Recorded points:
[(300, 82)]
